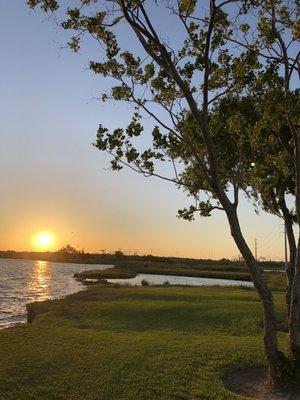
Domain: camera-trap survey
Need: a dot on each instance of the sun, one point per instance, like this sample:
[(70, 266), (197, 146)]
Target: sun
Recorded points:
[(44, 240)]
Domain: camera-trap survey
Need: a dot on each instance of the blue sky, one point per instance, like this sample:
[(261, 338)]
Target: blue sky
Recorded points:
[(53, 179)]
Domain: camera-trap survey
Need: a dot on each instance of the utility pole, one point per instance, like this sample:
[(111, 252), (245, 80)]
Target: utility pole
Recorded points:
[(255, 246)]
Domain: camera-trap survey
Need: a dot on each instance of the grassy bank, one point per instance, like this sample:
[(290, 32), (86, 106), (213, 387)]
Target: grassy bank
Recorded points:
[(110, 273), (160, 343)]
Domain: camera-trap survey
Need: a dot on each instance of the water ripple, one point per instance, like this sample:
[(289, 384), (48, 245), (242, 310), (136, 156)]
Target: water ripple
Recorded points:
[(24, 281)]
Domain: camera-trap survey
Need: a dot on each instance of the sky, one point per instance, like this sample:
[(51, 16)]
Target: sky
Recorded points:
[(53, 179)]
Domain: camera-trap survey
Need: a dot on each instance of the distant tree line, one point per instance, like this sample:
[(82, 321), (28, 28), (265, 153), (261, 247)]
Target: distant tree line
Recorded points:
[(69, 254)]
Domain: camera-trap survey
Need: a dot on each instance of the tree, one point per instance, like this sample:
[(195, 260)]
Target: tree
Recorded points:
[(68, 249), (276, 37), (119, 254), (273, 181), (268, 174), (175, 83)]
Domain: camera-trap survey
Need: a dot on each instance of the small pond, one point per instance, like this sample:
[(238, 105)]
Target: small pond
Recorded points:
[(179, 280)]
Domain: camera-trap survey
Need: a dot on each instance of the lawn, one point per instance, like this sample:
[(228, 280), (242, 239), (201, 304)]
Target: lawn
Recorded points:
[(142, 343)]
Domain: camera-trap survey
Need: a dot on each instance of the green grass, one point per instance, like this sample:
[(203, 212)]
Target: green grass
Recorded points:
[(136, 265), (142, 343), (276, 281)]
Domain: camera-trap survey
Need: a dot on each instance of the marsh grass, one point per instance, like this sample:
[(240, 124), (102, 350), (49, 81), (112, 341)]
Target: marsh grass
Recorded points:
[(276, 281), (157, 268), (110, 273)]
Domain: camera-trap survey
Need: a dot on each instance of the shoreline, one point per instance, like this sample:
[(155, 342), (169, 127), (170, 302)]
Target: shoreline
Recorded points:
[(273, 278), (122, 285)]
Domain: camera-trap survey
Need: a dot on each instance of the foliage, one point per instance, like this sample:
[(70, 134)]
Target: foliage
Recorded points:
[(68, 249), (261, 146), (202, 65)]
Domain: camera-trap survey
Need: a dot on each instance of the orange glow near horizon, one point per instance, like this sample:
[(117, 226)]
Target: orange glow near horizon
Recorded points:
[(44, 240)]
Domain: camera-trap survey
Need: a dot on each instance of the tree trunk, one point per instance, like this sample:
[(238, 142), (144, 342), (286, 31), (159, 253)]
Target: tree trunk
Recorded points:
[(295, 305), (270, 323), (295, 312), (290, 268)]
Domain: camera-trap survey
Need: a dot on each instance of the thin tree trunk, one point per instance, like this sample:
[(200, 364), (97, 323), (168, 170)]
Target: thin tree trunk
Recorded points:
[(295, 312), (290, 269), (295, 305), (270, 323)]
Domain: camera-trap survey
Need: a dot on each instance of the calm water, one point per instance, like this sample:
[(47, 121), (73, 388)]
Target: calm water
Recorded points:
[(179, 280), (24, 281)]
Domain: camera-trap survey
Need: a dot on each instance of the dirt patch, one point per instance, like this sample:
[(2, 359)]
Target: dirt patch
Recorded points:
[(253, 382), (96, 294)]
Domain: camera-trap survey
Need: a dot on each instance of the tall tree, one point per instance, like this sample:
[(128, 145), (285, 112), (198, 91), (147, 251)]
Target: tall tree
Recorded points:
[(174, 76), (273, 178), (275, 34), (264, 143)]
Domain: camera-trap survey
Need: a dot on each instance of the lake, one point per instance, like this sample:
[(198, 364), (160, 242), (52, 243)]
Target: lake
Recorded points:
[(25, 281)]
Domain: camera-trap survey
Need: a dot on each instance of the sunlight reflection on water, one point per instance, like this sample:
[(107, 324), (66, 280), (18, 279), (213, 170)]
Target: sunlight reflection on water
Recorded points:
[(24, 281), (39, 283)]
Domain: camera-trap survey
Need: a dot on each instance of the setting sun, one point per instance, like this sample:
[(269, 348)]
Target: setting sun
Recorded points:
[(44, 240)]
